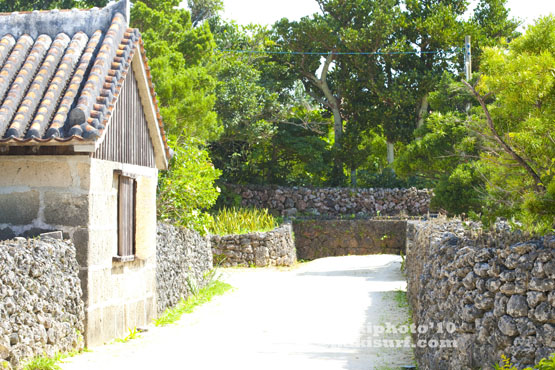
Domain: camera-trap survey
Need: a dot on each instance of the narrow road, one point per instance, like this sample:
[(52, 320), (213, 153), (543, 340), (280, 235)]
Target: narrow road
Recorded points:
[(324, 314)]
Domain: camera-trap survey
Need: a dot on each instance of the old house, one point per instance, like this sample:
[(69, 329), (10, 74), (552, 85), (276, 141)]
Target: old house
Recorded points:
[(81, 143)]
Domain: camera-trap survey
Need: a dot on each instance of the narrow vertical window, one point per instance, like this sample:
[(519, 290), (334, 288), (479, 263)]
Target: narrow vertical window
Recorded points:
[(126, 218)]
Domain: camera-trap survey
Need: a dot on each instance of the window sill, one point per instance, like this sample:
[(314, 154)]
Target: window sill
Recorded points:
[(123, 258)]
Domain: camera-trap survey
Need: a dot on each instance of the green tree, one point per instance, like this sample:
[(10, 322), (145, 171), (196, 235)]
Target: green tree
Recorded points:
[(204, 9), (517, 126), (180, 57), (181, 61), (341, 83)]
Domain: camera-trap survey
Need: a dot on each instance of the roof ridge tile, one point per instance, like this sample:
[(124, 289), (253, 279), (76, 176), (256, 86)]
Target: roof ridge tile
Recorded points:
[(20, 84), (55, 129), (10, 69), (93, 86), (58, 85), (6, 45), (39, 84)]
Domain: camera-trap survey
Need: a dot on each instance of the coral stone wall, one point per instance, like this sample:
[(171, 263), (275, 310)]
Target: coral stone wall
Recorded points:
[(41, 309), (496, 291), (335, 201), (272, 248), (325, 238), (183, 258)]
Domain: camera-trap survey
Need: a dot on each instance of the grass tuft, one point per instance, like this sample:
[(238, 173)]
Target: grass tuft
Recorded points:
[(242, 221), (171, 315), (133, 334), (43, 363)]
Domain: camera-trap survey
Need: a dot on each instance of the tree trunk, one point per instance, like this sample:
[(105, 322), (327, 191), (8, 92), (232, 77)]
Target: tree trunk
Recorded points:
[(422, 111), (333, 102), (354, 178), (390, 153)]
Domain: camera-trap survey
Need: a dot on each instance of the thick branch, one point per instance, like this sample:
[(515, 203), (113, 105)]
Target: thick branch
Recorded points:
[(504, 145)]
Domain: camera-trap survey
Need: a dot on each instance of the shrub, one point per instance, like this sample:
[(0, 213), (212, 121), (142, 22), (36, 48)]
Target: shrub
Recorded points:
[(187, 189)]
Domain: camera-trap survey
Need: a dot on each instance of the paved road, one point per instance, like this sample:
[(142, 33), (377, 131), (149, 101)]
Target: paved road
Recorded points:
[(320, 315)]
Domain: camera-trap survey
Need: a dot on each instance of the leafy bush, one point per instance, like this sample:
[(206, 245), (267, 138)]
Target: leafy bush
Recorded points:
[(242, 221), (187, 189), (458, 192), (544, 364), (388, 179)]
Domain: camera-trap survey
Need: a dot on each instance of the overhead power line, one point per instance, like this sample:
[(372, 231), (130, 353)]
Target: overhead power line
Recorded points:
[(454, 50)]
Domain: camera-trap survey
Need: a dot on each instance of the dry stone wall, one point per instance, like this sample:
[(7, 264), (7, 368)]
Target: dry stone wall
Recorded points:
[(183, 261), (271, 248), (325, 238), (289, 201), (41, 307), (495, 290)]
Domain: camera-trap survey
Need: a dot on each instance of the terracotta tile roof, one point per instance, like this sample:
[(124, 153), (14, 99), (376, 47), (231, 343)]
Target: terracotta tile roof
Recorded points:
[(63, 87)]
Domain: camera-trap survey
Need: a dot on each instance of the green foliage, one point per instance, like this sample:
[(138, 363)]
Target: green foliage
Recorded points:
[(388, 179), (242, 221), (446, 152), (506, 364), (204, 9), (133, 334), (171, 315), (460, 191), (544, 364), (519, 151), (188, 188), (180, 60), (43, 363)]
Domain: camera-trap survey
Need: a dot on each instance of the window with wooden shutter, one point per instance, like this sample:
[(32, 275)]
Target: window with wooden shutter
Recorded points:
[(126, 218)]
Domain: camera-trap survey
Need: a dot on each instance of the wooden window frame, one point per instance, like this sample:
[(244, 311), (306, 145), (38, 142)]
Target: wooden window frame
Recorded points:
[(127, 216)]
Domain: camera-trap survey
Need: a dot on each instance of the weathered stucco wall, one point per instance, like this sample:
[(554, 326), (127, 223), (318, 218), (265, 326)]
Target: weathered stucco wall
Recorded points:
[(271, 248), (44, 193), (496, 291), (119, 295), (183, 263), (325, 238), (79, 196), (41, 310), (290, 201)]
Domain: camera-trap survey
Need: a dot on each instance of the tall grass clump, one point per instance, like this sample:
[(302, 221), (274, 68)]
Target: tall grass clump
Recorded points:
[(242, 221)]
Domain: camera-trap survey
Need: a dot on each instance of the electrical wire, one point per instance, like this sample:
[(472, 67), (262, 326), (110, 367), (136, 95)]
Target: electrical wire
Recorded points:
[(454, 50)]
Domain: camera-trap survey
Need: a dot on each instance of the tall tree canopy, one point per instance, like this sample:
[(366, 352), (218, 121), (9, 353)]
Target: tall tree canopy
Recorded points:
[(180, 57), (518, 126)]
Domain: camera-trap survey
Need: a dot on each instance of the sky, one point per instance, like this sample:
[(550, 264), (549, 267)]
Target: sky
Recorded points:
[(268, 11)]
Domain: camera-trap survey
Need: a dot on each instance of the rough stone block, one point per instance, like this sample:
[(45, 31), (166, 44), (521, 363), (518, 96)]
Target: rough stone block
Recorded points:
[(114, 326), (80, 238), (83, 175), (19, 208), (84, 279), (35, 172), (34, 232), (145, 236), (6, 233), (94, 328), (66, 209), (103, 209), (52, 234), (103, 246)]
